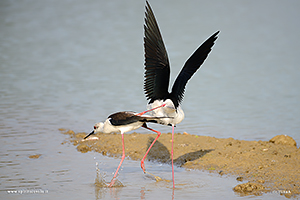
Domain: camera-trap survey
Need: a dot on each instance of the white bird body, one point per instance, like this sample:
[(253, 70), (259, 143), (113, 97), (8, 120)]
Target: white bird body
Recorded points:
[(172, 115), (108, 127)]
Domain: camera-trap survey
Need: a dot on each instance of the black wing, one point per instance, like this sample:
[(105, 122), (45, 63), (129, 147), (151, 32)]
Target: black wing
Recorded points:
[(128, 117), (157, 67), (190, 67), (123, 118)]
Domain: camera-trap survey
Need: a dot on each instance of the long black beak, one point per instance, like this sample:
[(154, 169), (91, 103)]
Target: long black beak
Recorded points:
[(88, 135)]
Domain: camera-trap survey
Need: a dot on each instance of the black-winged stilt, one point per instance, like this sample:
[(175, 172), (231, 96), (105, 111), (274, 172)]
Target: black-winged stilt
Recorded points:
[(157, 75), (123, 122)]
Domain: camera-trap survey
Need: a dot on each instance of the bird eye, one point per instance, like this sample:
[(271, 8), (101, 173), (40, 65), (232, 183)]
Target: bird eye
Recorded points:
[(95, 127)]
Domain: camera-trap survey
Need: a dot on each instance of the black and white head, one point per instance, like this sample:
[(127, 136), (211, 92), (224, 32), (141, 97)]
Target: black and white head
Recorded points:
[(98, 127)]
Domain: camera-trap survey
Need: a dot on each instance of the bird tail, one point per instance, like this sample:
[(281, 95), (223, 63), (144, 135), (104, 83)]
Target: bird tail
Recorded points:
[(153, 119)]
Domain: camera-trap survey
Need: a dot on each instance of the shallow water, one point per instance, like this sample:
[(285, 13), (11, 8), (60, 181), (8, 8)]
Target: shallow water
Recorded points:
[(69, 64)]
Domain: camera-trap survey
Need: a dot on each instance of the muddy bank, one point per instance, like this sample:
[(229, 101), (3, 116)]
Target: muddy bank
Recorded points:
[(261, 166)]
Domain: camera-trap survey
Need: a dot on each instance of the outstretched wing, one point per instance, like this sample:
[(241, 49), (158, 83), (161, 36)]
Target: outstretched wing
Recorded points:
[(190, 67), (157, 67)]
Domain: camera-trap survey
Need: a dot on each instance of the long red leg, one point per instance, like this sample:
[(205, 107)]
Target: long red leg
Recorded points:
[(139, 114), (172, 156), (123, 157), (158, 134)]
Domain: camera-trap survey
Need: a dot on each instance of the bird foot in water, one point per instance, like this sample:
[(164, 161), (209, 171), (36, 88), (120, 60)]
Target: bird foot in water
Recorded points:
[(111, 183), (157, 178), (142, 163), (115, 183)]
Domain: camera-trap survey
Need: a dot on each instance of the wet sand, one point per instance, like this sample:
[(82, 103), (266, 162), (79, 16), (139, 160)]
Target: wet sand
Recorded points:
[(261, 166)]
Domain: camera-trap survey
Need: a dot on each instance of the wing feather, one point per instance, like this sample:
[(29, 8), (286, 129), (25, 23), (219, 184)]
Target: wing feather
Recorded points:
[(157, 67), (190, 67)]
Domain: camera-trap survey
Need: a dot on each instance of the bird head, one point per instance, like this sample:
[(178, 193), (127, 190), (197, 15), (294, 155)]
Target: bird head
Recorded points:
[(97, 128)]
